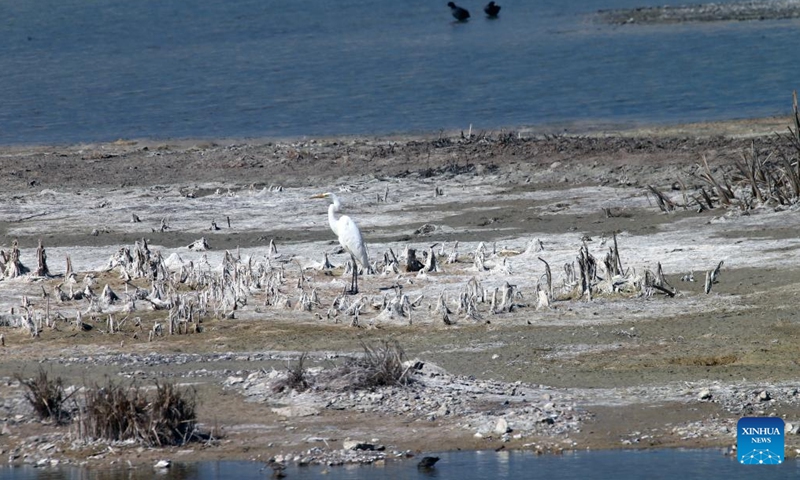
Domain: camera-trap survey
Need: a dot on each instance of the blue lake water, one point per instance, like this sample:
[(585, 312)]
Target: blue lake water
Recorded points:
[(89, 70), (464, 465)]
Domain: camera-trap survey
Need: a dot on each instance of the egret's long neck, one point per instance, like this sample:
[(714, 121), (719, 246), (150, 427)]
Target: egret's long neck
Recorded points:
[(332, 208)]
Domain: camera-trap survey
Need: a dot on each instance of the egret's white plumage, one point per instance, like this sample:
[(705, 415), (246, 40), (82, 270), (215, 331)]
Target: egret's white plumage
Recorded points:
[(349, 237)]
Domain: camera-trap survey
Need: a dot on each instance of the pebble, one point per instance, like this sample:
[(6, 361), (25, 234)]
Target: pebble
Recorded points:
[(501, 428), (349, 444)]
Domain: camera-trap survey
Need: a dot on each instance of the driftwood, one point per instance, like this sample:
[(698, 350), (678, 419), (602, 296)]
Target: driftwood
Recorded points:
[(163, 227), (412, 263), (683, 192), (588, 271), (431, 265), (662, 283), (467, 307), (13, 266), (425, 229), (199, 245), (707, 199), (751, 167), (385, 197), (534, 246), (138, 262), (475, 290), (612, 261), (664, 203), (479, 258), (504, 266), (69, 275), (326, 263), (398, 307), (304, 303), (469, 298), (549, 278), (453, 256), (108, 296), (657, 281), (712, 277), (725, 193), (442, 310), (507, 303), (41, 262), (543, 300), (390, 263), (272, 252)]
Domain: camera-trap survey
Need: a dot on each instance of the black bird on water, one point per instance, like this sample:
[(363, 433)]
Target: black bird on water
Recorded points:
[(492, 9), (427, 463), (460, 14), (277, 469)]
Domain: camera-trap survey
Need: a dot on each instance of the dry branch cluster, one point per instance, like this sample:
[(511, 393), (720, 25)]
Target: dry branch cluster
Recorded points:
[(584, 278), (46, 396), (117, 413), (381, 364), (756, 178), (189, 292), (186, 292), (114, 412), (591, 278)]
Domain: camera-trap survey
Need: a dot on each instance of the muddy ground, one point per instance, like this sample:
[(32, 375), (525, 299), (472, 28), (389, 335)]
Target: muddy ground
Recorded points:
[(642, 370)]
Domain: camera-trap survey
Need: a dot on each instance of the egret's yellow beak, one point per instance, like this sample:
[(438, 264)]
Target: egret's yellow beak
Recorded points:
[(320, 195)]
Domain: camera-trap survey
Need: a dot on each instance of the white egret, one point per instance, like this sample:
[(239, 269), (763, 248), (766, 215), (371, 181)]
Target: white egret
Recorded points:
[(349, 238)]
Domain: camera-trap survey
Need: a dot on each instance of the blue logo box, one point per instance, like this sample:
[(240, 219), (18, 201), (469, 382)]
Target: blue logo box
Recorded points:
[(759, 440)]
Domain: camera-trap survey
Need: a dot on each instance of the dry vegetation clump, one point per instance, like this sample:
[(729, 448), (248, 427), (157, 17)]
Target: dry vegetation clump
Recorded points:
[(46, 396), (755, 179), (296, 377), (173, 420), (116, 413), (381, 365)]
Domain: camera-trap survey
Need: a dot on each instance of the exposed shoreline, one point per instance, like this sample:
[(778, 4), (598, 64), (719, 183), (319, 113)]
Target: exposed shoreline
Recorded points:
[(623, 370), (758, 10)]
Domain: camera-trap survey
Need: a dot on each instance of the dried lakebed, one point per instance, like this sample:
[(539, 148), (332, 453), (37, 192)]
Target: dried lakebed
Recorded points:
[(496, 357)]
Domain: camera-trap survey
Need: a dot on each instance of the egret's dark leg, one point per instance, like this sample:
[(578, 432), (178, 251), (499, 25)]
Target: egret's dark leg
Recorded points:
[(354, 281)]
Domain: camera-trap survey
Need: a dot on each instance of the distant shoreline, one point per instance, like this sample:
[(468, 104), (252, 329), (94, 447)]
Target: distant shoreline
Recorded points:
[(711, 12), (735, 128)]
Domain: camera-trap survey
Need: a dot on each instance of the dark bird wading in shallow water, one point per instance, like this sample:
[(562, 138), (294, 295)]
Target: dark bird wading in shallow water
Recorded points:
[(492, 9), (460, 14), (427, 463)]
